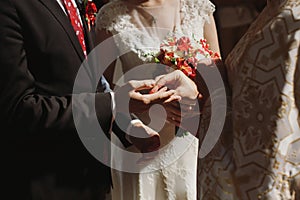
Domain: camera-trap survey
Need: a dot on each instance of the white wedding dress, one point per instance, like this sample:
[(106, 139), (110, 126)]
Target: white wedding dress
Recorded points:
[(137, 32)]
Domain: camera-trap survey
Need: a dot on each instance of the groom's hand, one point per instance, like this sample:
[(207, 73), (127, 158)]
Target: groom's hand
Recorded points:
[(143, 137), (131, 98)]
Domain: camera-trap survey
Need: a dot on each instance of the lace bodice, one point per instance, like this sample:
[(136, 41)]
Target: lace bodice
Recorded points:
[(139, 30)]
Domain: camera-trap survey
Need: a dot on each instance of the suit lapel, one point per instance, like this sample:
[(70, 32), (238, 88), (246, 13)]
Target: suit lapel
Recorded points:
[(61, 17)]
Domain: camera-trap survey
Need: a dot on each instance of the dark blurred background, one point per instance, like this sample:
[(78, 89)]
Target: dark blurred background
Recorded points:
[(233, 18)]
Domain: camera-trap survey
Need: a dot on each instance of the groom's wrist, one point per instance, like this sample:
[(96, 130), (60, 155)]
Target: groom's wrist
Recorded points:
[(132, 124), (113, 103)]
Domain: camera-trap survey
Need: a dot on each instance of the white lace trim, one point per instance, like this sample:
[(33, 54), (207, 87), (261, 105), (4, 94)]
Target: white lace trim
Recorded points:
[(114, 18), (195, 13)]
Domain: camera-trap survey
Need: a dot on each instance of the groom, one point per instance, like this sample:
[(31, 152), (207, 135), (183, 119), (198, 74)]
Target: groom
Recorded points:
[(42, 45)]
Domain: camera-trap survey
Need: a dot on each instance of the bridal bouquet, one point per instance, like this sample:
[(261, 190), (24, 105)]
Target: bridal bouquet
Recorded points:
[(184, 54)]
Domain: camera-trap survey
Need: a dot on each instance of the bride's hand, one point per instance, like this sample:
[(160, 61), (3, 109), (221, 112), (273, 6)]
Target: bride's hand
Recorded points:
[(184, 116), (182, 107), (131, 96), (182, 87)]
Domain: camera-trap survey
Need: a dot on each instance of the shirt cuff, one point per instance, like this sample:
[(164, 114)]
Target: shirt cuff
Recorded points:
[(113, 103), (132, 122)]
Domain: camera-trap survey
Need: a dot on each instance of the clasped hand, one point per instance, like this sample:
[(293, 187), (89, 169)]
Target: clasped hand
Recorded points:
[(175, 91)]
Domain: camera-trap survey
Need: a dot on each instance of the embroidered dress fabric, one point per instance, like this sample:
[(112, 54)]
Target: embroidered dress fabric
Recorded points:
[(263, 71), (259, 158)]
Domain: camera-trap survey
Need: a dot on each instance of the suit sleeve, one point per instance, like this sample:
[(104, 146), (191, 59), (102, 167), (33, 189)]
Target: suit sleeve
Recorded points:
[(20, 103)]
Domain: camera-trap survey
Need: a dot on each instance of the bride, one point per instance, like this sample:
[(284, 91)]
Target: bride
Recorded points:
[(138, 27)]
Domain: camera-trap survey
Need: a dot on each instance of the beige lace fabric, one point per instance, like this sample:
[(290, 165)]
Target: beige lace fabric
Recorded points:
[(141, 29), (260, 159), (137, 31)]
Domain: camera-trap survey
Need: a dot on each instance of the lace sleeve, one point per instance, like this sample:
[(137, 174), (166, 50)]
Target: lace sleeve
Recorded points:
[(197, 8), (208, 9), (194, 15), (109, 15)]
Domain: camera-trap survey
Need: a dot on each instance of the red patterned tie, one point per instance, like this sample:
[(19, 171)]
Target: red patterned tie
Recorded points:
[(75, 21)]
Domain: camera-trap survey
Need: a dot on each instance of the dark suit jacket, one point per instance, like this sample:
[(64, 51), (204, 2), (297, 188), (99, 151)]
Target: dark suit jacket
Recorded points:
[(39, 59)]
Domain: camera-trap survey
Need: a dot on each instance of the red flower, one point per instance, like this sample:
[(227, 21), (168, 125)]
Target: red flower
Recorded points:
[(184, 44), (193, 61), (216, 56), (172, 42), (184, 66), (181, 62), (90, 13), (185, 57), (187, 70), (166, 57)]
